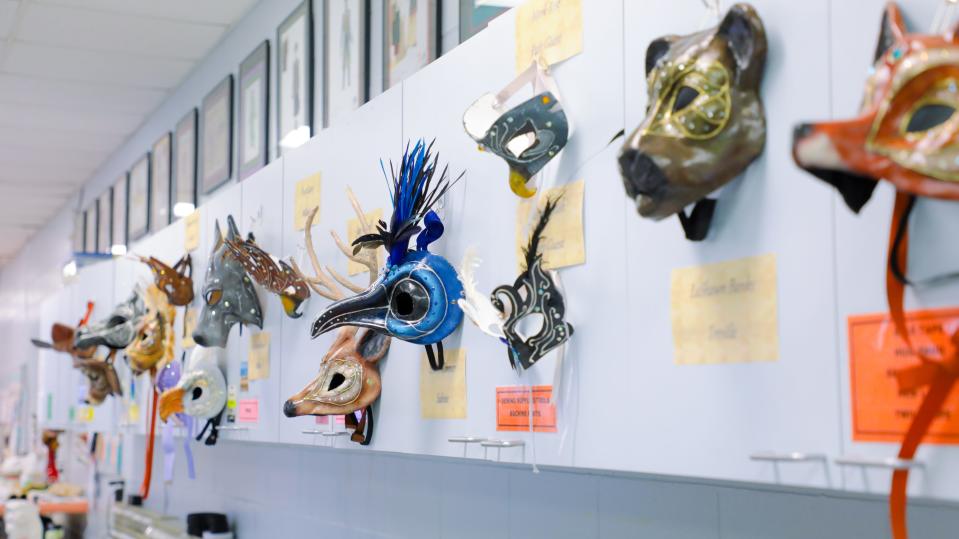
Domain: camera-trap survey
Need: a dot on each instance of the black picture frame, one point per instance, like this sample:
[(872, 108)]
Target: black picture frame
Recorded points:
[(120, 211), (90, 228), (79, 232), (362, 94), (138, 197), (390, 37), (254, 70), (105, 221), (161, 172), (184, 170), (212, 177), (474, 18), (304, 13)]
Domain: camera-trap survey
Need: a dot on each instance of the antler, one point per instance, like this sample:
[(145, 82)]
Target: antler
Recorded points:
[(327, 281)]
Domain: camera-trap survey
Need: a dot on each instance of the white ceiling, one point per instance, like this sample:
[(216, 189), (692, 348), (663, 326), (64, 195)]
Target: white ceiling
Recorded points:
[(77, 77)]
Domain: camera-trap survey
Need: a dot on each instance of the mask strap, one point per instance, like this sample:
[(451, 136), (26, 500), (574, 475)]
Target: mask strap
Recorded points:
[(529, 417), (362, 430), (436, 361), (188, 423), (151, 437), (899, 247), (696, 224)]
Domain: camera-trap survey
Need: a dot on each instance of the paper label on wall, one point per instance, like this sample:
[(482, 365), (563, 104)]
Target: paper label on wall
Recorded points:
[(513, 407), (244, 377), (133, 413), (725, 312), (353, 232), (248, 411), (306, 197), (443, 393), (259, 356), (563, 242), (325, 419), (551, 30), (880, 413), (189, 324), (191, 231), (86, 414)]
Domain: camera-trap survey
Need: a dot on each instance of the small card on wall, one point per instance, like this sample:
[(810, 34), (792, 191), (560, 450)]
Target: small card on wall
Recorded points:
[(191, 231), (725, 312), (248, 411), (189, 324), (244, 377), (325, 420), (353, 232), (443, 392), (563, 242), (513, 406), (880, 413), (306, 197), (548, 30), (258, 356)]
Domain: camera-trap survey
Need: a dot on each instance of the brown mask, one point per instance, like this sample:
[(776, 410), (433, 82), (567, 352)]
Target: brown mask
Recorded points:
[(62, 338), (175, 282), (348, 381), (152, 347), (705, 121), (102, 378), (275, 275)]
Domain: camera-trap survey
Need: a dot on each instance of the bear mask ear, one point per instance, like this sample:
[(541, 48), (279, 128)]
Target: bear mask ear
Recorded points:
[(742, 31), (892, 30), (656, 50)]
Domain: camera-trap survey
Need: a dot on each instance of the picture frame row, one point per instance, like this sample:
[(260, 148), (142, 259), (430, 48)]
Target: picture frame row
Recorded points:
[(197, 156)]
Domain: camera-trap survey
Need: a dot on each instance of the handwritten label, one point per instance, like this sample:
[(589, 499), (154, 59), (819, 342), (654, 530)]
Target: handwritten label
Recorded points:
[(563, 242), (725, 312), (189, 324), (248, 411), (880, 413), (191, 231), (548, 30), (513, 407), (259, 356), (306, 197), (443, 393), (353, 232)]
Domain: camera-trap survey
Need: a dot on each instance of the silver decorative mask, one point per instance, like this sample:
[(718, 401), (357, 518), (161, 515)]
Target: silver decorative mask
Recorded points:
[(228, 294), (119, 329)]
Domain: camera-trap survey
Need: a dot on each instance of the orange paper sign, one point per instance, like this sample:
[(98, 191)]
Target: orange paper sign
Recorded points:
[(512, 409), (880, 413)]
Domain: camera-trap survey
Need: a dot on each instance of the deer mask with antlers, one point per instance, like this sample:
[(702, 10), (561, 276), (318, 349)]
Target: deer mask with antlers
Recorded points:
[(349, 377)]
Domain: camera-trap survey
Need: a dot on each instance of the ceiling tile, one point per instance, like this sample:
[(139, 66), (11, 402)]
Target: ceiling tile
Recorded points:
[(8, 11), (84, 96), (56, 138), (25, 155), (223, 12), (78, 121), (64, 64), (76, 27), (46, 172)]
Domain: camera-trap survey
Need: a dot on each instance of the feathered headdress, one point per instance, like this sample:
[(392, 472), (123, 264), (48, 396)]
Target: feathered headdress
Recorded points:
[(413, 193)]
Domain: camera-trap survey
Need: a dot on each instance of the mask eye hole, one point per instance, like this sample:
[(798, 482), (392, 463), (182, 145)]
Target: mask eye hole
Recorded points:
[(684, 97), (336, 381), (197, 393), (409, 301), (929, 116), (213, 297)]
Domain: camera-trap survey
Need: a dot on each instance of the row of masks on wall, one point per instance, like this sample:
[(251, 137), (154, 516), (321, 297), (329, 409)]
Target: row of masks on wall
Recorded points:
[(704, 125)]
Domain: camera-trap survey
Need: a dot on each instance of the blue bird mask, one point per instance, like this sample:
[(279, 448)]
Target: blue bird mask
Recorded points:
[(415, 299)]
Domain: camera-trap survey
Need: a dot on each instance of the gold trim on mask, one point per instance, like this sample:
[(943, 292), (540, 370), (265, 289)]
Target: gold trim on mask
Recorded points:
[(153, 345), (708, 112)]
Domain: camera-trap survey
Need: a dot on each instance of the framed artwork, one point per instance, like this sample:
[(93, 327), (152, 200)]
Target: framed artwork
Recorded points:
[(90, 236), (410, 37), (216, 136), (294, 104), (474, 16), (105, 221), (138, 197), (160, 183), (254, 96), (119, 242), (184, 165), (79, 230), (346, 72)]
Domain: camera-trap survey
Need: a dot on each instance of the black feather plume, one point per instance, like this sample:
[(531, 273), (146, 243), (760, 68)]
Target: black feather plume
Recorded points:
[(531, 252)]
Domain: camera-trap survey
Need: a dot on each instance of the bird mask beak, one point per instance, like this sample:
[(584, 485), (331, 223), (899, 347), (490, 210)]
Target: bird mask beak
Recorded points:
[(171, 402), (366, 310)]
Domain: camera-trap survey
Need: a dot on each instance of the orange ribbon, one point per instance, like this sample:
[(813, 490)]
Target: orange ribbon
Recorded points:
[(148, 465)]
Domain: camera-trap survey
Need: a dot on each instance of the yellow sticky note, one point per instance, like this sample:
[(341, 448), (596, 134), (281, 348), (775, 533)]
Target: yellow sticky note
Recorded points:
[(563, 243), (306, 198), (725, 312), (191, 231), (133, 413), (189, 324), (548, 30), (353, 232), (258, 358), (443, 393)]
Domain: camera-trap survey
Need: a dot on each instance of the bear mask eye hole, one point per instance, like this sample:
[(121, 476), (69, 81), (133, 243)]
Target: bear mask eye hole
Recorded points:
[(684, 97), (929, 116)]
